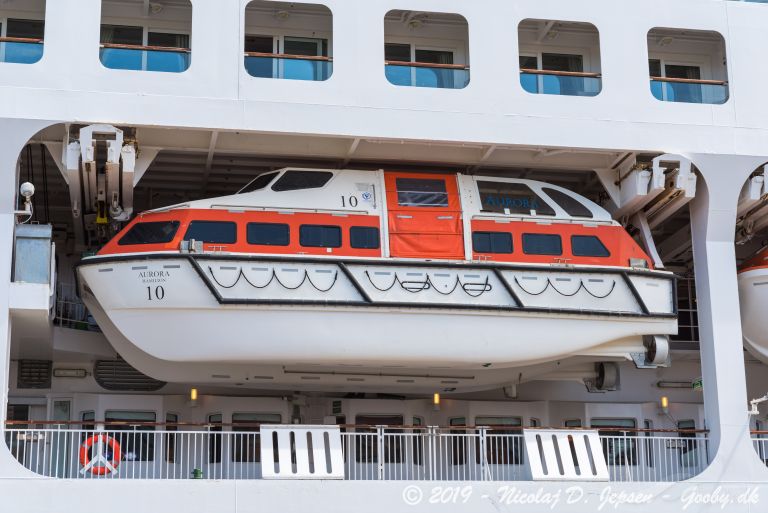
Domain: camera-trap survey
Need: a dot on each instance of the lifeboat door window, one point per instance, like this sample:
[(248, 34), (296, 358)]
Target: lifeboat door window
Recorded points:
[(424, 216)]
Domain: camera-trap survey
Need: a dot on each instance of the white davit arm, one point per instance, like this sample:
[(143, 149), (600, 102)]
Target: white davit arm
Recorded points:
[(755, 402)]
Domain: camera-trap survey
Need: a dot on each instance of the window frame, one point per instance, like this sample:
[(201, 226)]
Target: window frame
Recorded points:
[(173, 222), (378, 237), (146, 29), (460, 54), (490, 243), (581, 255), (585, 54), (672, 59), (211, 221)]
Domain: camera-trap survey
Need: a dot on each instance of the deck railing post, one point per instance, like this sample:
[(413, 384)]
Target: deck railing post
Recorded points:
[(380, 451)]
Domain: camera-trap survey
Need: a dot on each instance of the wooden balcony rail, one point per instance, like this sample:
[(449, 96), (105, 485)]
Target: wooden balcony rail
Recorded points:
[(146, 48), (426, 65), (560, 73), (321, 58), (20, 40), (121, 423), (689, 81)]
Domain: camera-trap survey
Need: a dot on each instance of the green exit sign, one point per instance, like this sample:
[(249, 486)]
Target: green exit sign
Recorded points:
[(697, 384)]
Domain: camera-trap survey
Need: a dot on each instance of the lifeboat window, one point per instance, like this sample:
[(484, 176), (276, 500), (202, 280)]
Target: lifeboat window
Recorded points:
[(258, 183), (364, 237), (296, 180), (589, 246), (512, 198), (542, 244), (156, 232), (571, 205), (421, 192), (492, 242), (215, 232), (318, 236), (268, 234)]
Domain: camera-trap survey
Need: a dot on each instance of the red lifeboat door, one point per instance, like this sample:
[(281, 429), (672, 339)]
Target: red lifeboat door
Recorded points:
[(424, 216)]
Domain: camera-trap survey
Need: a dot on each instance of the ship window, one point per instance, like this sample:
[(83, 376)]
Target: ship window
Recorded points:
[(421, 192), (268, 234), (367, 446), (156, 232), (122, 35), (364, 237), (28, 49), (247, 448), (169, 439), (215, 232), (318, 236), (258, 183), (499, 449), (619, 440), (542, 244), (512, 198), (135, 442), (588, 246), (215, 427), (492, 242), (571, 205), (296, 180)]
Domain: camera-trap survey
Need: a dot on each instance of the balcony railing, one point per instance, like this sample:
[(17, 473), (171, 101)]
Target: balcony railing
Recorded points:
[(568, 83), (287, 66), (186, 451), (426, 74), (20, 50), (688, 90), (71, 312), (145, 58)]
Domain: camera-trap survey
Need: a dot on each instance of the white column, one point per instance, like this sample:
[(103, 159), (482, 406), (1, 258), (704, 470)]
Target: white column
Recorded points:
[(14, 134), (713, 223)]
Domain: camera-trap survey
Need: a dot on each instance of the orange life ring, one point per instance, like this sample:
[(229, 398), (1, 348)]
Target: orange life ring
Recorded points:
[(109, 465)]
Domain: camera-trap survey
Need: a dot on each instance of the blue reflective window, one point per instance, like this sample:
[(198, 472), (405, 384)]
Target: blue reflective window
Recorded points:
[(492, 242), (589, 246), (542, 244), (268, 234), (214, 232)]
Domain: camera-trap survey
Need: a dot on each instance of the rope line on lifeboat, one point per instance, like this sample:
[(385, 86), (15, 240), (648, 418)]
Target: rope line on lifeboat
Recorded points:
[(418, 286), (579, 288), (305, 278)]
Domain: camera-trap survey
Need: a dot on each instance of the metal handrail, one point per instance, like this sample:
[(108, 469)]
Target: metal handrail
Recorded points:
[(290, 56), (146, 47), (688, 81), (20, 40), (560, 73), (426, 65)]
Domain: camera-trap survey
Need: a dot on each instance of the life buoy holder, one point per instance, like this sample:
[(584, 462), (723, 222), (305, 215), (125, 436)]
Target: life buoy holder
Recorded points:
[(100, 464)]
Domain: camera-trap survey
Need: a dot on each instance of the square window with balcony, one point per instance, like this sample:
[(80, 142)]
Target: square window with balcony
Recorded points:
[(559, 57), (137, 36), (286, 40), (687, 66), (22, 31), (426, 49)]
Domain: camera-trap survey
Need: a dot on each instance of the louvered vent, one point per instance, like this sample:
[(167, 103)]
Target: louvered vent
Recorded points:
[(118, 375), (34, 374)]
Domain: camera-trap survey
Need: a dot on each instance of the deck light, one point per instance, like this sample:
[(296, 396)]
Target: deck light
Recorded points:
[(664, 404), (193, 394), (436, 400)]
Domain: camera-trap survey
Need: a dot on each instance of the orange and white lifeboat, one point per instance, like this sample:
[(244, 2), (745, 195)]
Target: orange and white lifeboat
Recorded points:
[(347, 272), (753, 296)]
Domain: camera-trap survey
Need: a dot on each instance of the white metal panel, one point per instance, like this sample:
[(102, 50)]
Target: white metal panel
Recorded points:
[(324, 460), (551, 458)]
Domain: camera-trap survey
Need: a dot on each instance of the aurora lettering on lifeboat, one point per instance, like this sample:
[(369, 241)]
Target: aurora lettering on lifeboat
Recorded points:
[(325, 270)]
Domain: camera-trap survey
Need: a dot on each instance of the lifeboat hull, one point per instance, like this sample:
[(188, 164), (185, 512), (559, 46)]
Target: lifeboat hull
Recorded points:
[(200, 309), (753, 296)]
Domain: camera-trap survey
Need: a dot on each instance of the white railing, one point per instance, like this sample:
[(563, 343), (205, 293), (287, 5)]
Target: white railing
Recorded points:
[(370, 453), (760, 441)]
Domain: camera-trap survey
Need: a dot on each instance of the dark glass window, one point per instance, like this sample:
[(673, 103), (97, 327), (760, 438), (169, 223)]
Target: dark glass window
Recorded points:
[(528, 62), (260, 44), (295, 180), (317, 236), (168, 40), (136, 440), (492, 242), (364, 237), (258, 183), (157, 232), (122, 35), (588, 245), (268, 234), (421, 192), (215, 232), (397, 52), (542, 244), (562, 62), (514, 198), (571, 205), (32, 29)]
